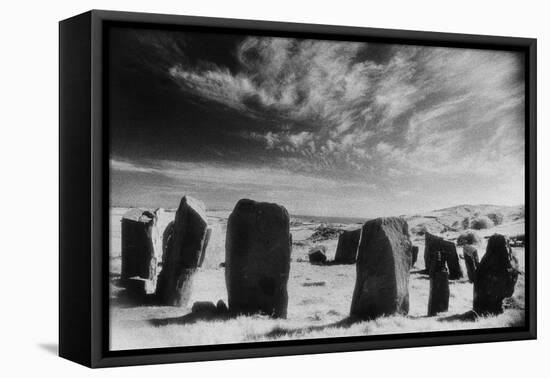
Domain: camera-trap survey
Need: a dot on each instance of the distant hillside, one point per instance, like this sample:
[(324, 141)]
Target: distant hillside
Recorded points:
[(458, 218)]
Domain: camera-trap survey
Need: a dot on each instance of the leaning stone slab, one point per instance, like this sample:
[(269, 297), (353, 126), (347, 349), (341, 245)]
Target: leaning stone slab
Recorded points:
[(346, 250), (257, 259), (184, 240), (495, 277), (435, 244), (140, 249), (383, 264)]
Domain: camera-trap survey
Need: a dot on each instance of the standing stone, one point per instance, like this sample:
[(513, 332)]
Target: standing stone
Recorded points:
[(436, 244), (439, 285), (205, 245), (139, 250), (383, 264), (496, 276), (257, 258), (182, 252), (471, 259), (346, 250), (414, 253), (317, 255)]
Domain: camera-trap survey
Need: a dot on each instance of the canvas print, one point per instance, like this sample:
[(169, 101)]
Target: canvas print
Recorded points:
[(266, 188)]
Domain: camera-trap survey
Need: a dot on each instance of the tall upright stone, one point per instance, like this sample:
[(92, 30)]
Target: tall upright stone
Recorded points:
[(184, 239), (346, 250), (383, 264), (257, 258), (205, 245), (448, 249), (471, 260), (438, 300), (414, 253), (495, 277), (140, 250)]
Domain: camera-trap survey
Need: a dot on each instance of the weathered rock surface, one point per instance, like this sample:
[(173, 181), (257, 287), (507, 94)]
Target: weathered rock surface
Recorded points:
[(346, 250), (257, 260), (317, 255), (140, 246), (184, 245), (449, 254), (383, 264), (439, 285), (496, 276)]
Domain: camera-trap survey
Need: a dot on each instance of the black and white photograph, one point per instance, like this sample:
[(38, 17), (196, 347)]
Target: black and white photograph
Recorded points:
[(266, 188)]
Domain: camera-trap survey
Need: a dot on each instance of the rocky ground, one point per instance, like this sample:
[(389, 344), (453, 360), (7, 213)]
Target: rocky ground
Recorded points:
[(319, 295)]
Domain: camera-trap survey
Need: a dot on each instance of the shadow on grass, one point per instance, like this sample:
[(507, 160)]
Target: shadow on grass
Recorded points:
[(123, 300), (191, 318), (423, 272), (468, 316), (278, 332)]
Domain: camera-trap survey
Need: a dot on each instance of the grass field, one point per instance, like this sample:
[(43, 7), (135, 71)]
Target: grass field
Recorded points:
[(319, 301)]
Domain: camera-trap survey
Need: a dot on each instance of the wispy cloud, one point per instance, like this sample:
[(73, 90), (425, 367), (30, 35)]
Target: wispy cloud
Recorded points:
[(237, 176), (333, 115)]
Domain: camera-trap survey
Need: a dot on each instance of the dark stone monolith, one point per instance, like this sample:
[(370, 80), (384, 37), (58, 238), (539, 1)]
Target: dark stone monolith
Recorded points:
[(450, 256), (205, 245), (383, 264), (317, 255), (204, 307), (471, 260), (140, 248), (257, 258), (439, 285), (495, 277), (414, 255), (346, 250), (182, 252)]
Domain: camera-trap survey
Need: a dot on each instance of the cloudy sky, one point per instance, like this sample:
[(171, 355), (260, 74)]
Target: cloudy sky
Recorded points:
[(322, 127)]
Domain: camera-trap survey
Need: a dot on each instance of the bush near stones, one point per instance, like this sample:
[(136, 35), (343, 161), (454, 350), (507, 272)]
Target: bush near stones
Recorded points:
[(468, 237), (383, 263), (496, 218), (481, 223), (325, 232), (346, 250), (496, 276), (185, 240), (257, 258)]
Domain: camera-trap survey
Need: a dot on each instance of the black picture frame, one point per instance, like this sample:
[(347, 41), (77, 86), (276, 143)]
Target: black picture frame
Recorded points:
[(84, 190)]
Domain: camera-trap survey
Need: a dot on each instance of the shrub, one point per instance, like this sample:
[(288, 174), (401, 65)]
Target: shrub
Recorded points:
[(481, 223), (496, 218), (466, 223), (468, 237)]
